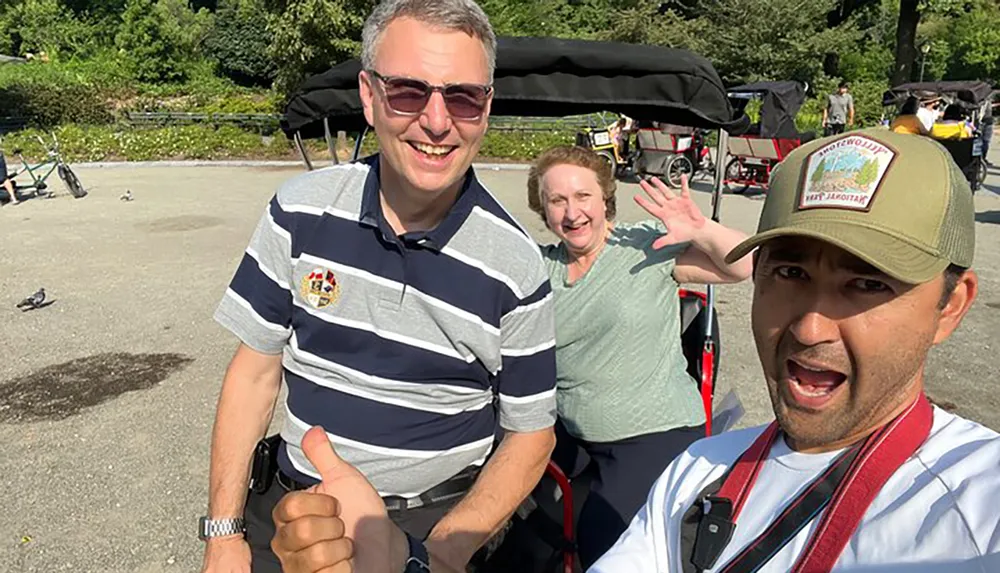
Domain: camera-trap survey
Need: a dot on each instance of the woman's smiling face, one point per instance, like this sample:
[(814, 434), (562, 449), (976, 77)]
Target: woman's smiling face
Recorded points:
[(575, 210)]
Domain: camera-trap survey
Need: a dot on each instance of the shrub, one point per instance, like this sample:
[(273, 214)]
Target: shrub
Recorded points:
[(46, 105), (159, 39), (112, 143), (35, 26), (239, 42)]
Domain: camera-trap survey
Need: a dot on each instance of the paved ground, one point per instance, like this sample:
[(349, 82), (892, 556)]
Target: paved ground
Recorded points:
[(108, 395)]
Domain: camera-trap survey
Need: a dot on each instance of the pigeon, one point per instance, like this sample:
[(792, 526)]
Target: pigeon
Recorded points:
[(34, 301), (127, 196)]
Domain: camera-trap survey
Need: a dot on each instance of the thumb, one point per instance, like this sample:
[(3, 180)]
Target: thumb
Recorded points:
[(318, 450), (665, 241)]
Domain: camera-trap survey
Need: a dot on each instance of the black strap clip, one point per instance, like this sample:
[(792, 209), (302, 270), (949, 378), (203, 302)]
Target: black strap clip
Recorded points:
[(715, 530)]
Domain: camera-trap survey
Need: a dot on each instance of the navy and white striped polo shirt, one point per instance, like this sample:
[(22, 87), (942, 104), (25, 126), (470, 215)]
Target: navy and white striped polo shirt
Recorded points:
[(405, 349)]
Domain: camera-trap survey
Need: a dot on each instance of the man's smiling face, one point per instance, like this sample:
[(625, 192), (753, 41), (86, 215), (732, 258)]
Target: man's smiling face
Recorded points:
[(430, 151)]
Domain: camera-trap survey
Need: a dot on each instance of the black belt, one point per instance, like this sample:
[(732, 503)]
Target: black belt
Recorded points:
[(450, 489)]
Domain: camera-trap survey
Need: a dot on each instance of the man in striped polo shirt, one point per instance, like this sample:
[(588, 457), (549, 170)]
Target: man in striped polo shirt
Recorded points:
[(409, 315)]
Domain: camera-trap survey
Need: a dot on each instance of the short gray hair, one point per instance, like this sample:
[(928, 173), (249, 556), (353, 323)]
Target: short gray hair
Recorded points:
[(461, 15)]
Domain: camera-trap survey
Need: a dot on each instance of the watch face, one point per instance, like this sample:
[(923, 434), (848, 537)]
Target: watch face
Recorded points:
[(202, 528)]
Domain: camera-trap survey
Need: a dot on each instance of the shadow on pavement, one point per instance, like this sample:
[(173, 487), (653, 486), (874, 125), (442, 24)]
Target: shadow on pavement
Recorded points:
[(59, 391), (988, 217)]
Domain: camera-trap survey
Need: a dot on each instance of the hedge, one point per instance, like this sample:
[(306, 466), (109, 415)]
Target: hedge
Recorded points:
[(112, 143)]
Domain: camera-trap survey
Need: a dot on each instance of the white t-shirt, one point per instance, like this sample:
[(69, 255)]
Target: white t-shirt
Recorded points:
[(940, 511)]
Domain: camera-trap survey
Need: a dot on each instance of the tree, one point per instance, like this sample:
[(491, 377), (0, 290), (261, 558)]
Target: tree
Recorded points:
[(746, 40), (41, 26), (309, 36), (868, 173), (906, 41), (817, 175), (239, 42)]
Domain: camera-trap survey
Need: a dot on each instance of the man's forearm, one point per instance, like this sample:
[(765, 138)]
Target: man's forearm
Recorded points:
[(244, 412), (507, 479)]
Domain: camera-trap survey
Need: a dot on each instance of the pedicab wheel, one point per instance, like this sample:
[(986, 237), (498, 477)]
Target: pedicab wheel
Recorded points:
[(72, 182), (609, 158), (677, 165), (981, 173), (734, 172)]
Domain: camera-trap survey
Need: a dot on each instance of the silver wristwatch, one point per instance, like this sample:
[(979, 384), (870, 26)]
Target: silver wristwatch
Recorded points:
[(208, 528)]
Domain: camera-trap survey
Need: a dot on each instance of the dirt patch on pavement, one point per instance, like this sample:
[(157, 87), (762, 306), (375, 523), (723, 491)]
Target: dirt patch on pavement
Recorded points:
[(183, 223), (59, 391)]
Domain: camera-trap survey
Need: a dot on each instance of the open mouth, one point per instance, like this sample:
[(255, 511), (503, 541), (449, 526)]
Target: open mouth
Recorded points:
[(432, 152), (575, 228), (812, 386)]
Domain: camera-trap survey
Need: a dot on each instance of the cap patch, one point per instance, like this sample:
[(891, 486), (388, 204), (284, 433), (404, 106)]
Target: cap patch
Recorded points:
[(845, 174)]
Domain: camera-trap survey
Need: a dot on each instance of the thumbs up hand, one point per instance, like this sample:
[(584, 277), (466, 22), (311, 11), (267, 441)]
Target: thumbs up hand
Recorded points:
[(339, 524)]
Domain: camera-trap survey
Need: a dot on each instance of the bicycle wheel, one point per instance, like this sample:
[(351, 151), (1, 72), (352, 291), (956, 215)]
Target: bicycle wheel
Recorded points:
[(677, 166), (736, 172), (71, 181)]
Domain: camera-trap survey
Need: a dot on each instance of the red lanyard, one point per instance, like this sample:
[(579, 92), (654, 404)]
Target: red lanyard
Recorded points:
[(842, 493)]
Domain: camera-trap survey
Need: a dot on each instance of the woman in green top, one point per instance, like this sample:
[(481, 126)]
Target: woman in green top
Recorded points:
[(626, 402)]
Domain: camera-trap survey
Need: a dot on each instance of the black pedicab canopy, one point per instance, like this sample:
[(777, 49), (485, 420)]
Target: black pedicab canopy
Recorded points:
[(549, 77), (780, 104), (969, 94)]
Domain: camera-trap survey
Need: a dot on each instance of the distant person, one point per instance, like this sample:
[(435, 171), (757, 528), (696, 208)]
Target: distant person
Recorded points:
[(839, 111), (986, 131), (954, 124), (914, 117), (621, 131), (5, 181)]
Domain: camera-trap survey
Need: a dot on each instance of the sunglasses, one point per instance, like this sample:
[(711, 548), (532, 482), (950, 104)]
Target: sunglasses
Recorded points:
[(408, 96)]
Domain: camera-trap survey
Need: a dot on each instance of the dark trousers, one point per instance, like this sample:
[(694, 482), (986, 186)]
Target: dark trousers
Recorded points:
[(833, 129), (260, 527), (623, 472)]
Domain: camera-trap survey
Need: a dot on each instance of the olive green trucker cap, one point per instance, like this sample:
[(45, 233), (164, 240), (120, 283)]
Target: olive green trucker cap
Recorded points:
[(897, 201)]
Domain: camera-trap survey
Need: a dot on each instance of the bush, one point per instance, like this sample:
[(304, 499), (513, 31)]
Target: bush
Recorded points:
[(36, 26), (111, 143), (239, 42), (159, 39), (105, 143), (47, 105)]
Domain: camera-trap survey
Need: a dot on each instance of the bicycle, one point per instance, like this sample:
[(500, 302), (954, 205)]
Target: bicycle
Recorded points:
[(53, 162)]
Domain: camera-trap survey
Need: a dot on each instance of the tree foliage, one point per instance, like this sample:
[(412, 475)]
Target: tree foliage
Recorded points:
[(158, 38), (161, 44), (309, 36), (35, 26), (240, 42)]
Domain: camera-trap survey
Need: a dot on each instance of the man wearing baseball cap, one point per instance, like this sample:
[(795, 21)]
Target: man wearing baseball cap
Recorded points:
[(862, 266)]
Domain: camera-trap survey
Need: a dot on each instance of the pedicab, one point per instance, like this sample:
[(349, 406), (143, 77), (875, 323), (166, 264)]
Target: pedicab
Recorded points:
[(756, 152), (661, 149), (972, 97), (547, 77)]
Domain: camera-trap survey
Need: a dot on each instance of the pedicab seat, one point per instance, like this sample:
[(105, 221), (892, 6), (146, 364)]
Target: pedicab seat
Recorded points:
[(740, 147), (771, 149), (654, 139)]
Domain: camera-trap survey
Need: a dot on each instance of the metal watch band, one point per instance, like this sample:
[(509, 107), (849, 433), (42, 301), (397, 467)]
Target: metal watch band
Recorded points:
[(419, 561), (208, 528)]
